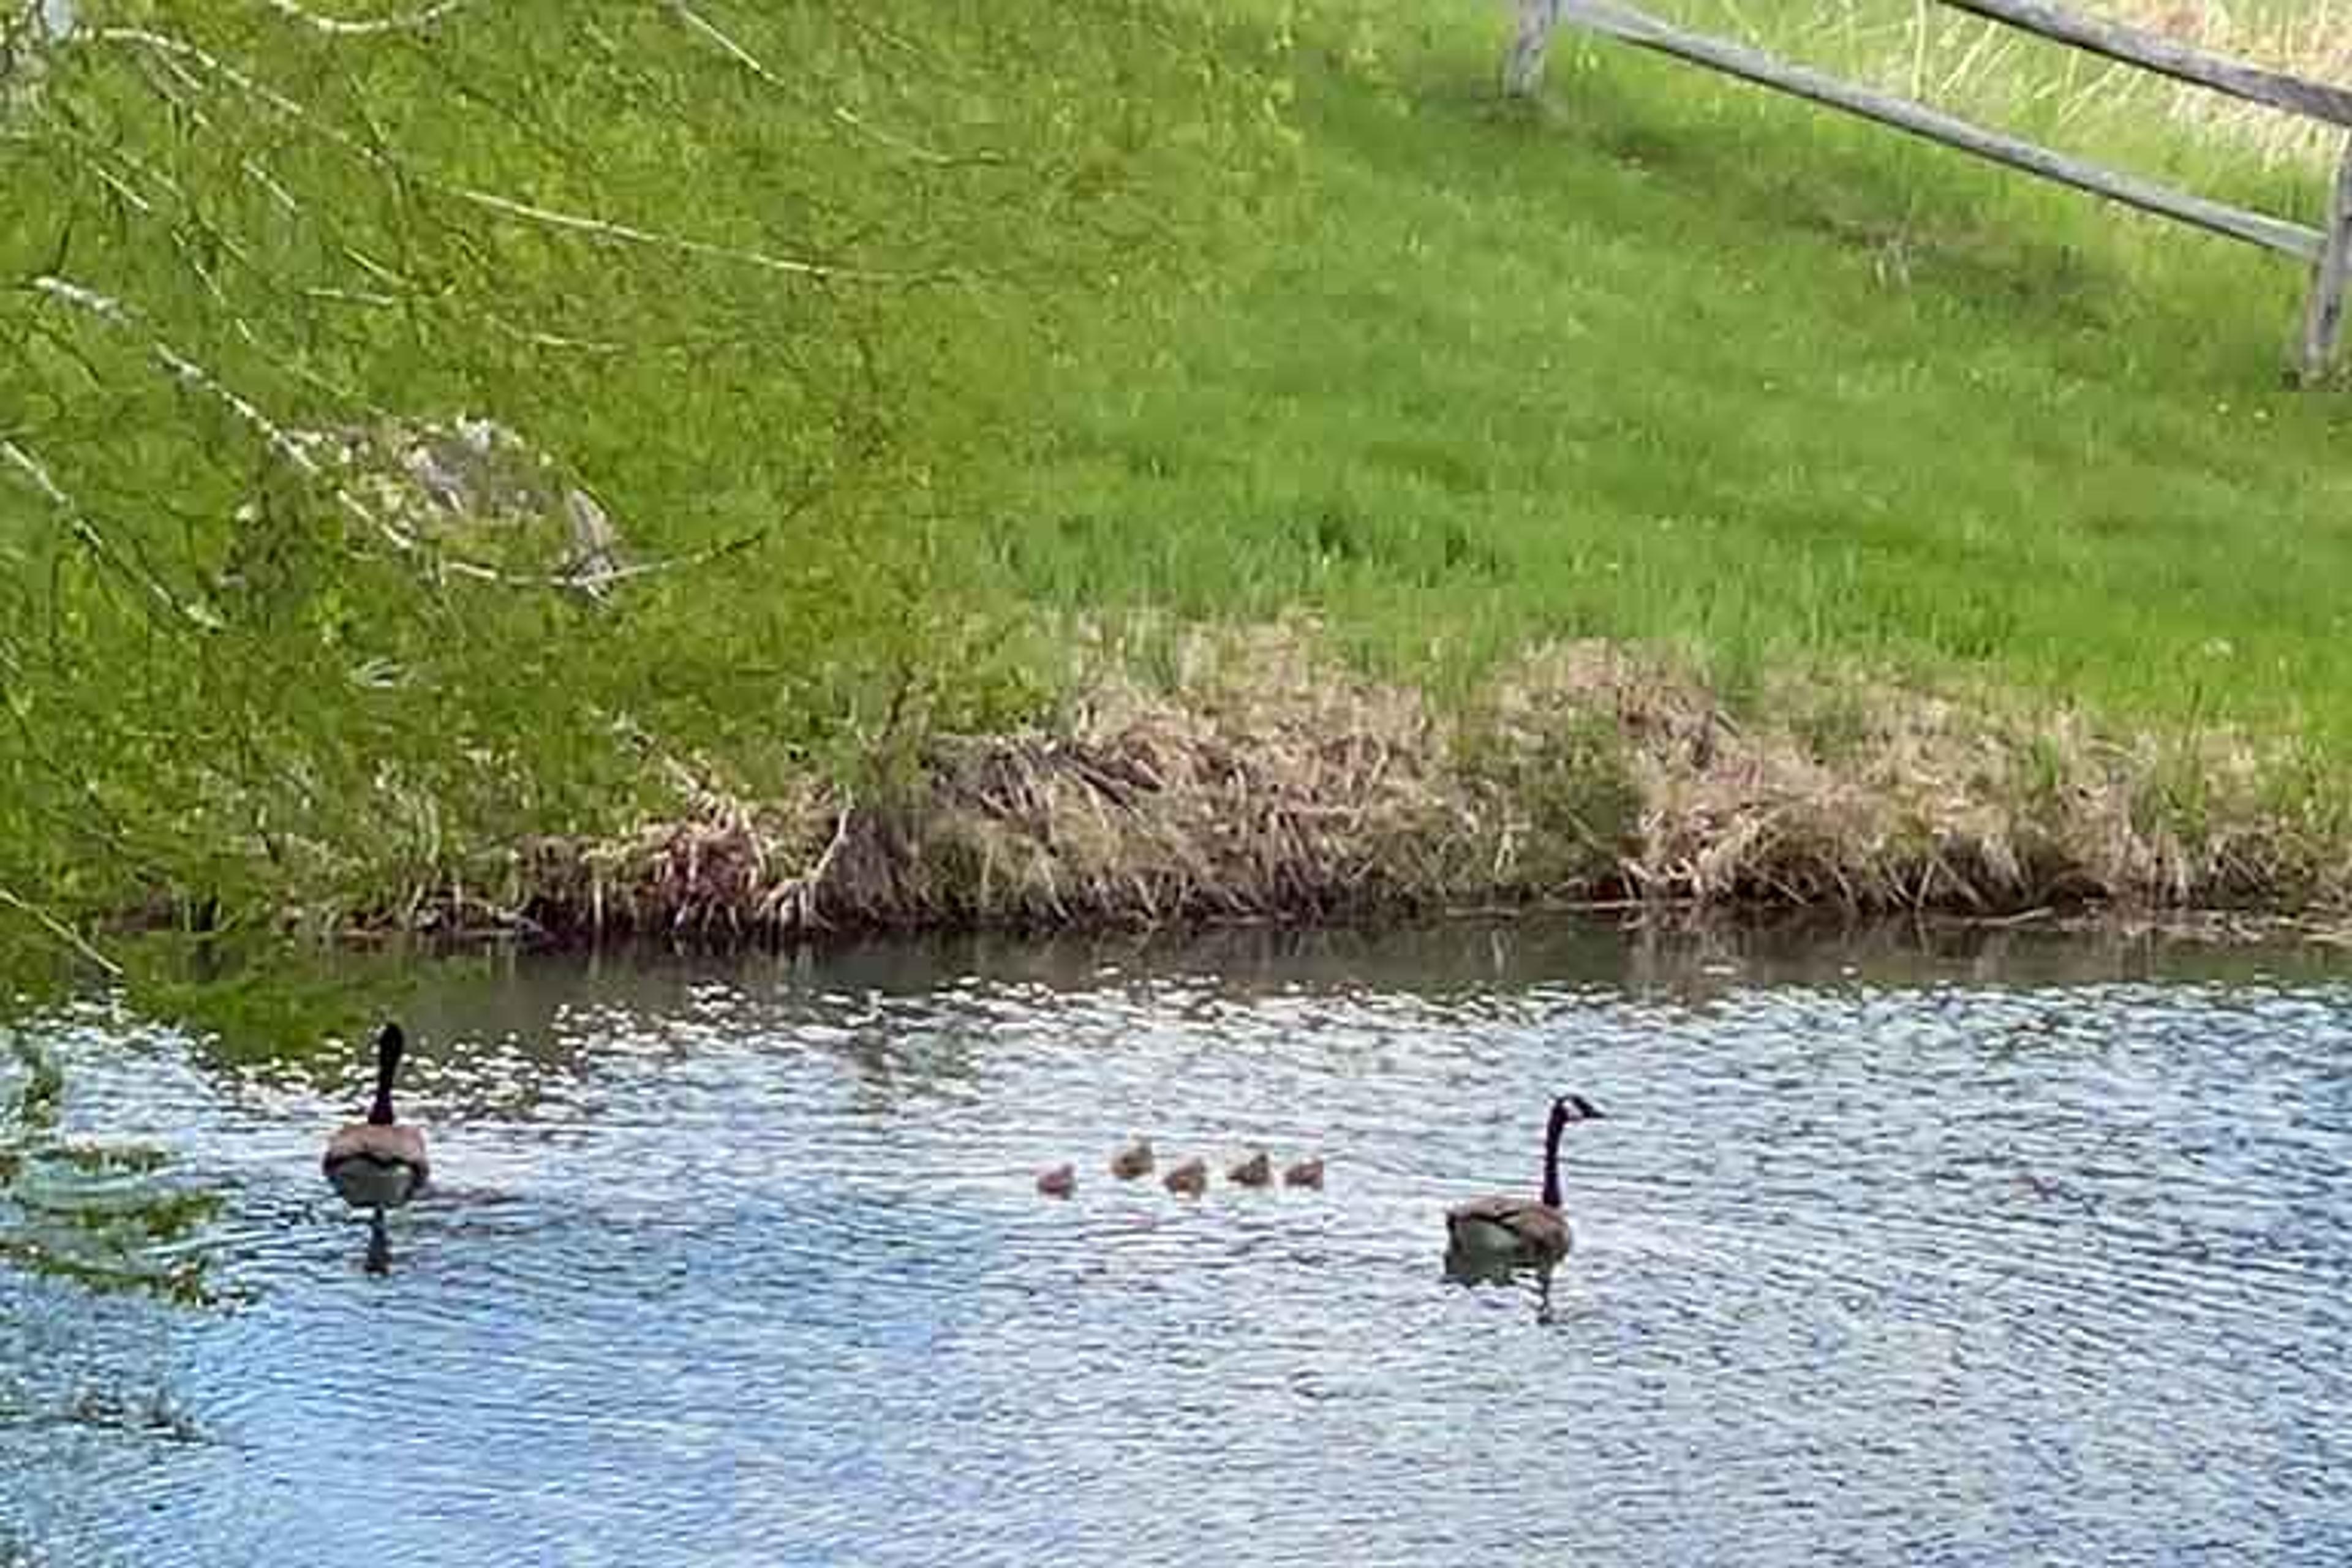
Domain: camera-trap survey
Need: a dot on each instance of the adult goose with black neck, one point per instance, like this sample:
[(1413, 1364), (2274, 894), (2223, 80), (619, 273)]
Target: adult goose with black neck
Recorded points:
[(1507, 1228), (377, 1163)]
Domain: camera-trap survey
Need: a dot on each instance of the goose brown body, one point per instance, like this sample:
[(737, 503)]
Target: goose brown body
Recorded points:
[(376, 1167), (1508, 1227), (377, 1163), (1528, 1226)]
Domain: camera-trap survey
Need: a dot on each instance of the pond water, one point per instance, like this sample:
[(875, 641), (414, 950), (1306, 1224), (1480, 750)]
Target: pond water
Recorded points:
[(2036, 1252)]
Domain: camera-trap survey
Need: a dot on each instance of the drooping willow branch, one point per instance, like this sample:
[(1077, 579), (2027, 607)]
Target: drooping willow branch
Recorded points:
[(97, 543), (493, 201), (595, 576), (280, 440), (341, 27), (60, 929), (842, 113)]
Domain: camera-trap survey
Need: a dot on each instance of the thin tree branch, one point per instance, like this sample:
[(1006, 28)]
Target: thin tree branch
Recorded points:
[(841, 112), (577, 223), (282, 441), (97, 542), (337, 26), (605, 229), (25, 461), (742, 56), (62, 931)]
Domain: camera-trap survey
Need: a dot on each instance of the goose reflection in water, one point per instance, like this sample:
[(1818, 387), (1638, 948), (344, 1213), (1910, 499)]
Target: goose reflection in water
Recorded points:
[(379, 1245), (1471, 1270)]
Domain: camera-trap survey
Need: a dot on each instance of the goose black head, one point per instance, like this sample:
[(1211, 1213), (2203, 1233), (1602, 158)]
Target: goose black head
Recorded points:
[(1575, 1108)]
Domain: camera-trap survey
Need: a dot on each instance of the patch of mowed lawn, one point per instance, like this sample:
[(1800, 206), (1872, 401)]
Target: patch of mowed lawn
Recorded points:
[(1670, 358)]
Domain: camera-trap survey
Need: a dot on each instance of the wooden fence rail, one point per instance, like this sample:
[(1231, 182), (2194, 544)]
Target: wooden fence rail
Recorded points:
[(2328, 251)]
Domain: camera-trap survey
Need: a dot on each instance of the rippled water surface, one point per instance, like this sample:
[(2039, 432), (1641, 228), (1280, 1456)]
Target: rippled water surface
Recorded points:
[(2038, 1255)]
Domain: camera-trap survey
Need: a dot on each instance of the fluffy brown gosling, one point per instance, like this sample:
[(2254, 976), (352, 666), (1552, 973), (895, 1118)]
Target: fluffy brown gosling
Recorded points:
[(1133, 1160), (1190, 1178), (1307, 1173), (1058, 1183), (1254, 1172)]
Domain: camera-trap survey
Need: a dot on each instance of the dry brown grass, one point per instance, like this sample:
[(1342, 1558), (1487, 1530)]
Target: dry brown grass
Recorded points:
[(1984, 68), (2311, 38), (1272, 785), (1267, 782)]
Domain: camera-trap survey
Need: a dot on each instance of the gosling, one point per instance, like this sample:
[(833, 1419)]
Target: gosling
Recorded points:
[(1254, 1172), (1058, 1183), (1307, 1173), (1133, 1160), (1189, 1179)]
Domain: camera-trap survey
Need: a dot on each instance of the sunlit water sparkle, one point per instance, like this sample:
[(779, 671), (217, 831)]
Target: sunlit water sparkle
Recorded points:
[(746, 1267)]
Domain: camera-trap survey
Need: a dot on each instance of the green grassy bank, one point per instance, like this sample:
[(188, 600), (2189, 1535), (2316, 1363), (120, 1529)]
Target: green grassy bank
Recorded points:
[(1691, 493), (1679, 361)]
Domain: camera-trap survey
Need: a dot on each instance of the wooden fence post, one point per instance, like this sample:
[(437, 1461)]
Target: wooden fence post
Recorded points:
[(2323, 318), (1524, 65)]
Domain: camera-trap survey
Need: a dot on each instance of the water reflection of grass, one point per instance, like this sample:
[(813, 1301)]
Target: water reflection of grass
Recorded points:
[(152, 1415), (104, 1215)]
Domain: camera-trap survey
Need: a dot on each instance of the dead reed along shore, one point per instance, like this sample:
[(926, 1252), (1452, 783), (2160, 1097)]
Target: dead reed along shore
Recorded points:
[(1272, 783)]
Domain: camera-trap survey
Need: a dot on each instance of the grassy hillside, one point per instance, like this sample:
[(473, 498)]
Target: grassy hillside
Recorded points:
[(1677, 360), (910, 346)]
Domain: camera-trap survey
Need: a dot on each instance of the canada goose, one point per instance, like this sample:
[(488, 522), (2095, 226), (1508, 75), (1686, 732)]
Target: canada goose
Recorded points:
[(1520, 1228), (1058, 1183), (373, 1164), (1189, 1178), (1307, 1173), (1133, 1160), (1254, 1172)]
